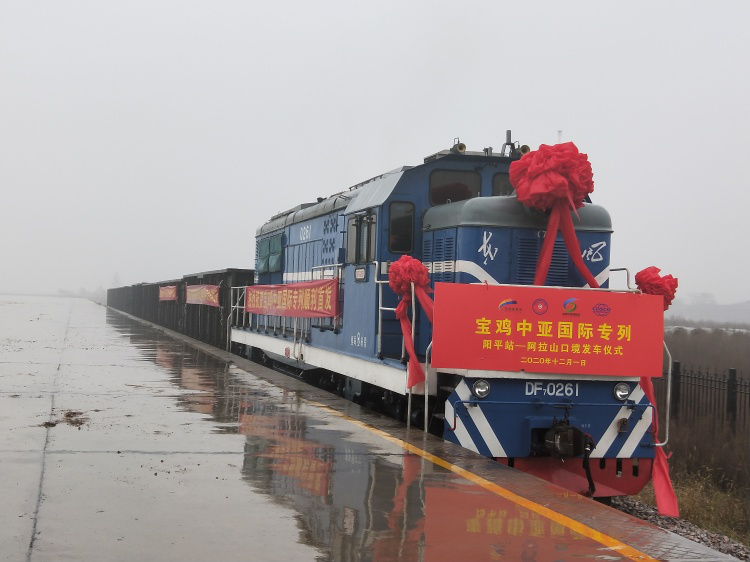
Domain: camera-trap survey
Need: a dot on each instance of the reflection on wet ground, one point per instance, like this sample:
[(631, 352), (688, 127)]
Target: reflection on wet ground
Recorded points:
[(184, 455), (355, 500)]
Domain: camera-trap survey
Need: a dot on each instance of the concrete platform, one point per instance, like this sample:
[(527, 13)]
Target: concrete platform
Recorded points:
[(121, 442)]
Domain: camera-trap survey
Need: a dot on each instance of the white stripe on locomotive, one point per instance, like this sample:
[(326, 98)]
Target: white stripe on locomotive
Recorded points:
[(481, 423), (612, 432), (460, 431)]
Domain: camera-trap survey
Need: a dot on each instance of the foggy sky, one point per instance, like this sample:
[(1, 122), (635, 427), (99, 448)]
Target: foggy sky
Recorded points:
[(144, 140)]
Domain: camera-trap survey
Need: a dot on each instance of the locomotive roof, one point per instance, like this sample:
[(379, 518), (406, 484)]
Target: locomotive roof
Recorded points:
[(375, 192), (370, 193), (362, 196), (508, 212)]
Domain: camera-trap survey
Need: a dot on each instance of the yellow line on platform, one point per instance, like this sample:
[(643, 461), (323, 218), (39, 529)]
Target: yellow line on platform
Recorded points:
[(576, 526)]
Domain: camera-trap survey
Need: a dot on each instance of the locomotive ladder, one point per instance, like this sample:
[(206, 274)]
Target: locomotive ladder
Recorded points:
[(381, 309)]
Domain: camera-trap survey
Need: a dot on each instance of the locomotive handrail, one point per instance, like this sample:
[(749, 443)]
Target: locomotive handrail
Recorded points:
[(428, 353), (234, 306), (630, 404), (413, 323), (379, 343), (599, 289), (413, 312), (277, 322), (296, 354), (381, 309), (473, 402), (627, 273), (669, 396), (379, 346), (427, 363), (336, 268)]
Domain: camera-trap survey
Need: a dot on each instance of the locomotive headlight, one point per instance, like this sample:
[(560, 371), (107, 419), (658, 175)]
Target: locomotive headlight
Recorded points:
[(622, 390), (481, 388)]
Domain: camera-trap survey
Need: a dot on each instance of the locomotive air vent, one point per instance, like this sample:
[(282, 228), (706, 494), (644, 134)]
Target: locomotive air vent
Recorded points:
[(528, 254)]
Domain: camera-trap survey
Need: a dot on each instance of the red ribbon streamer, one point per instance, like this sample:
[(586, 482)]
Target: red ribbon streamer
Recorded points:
[(560, 219), (401, 275), (666, 501), (650, 282)]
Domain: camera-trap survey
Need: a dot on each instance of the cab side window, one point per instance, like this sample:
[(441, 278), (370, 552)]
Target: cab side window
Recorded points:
[(360, 239), (401, 228), (264, 250), (275, 256), (270, 254)]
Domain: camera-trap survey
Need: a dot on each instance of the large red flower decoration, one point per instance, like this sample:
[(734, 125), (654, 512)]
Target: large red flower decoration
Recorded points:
[(650, 282), (557, 179), (405, 271), (551, 174)]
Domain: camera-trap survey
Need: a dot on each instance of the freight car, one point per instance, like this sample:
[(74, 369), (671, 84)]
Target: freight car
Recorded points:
[(192, 305)]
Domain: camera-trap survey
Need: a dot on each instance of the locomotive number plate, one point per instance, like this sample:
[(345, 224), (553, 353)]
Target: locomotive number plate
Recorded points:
[(557, 389)]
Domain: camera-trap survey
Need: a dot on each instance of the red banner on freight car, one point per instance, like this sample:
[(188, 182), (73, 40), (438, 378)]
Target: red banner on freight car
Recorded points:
[(309, 299), (202, 294), (168, 293), (547, 330)]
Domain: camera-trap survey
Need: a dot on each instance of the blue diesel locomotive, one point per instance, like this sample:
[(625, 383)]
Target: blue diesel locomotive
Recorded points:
[(456, 212)]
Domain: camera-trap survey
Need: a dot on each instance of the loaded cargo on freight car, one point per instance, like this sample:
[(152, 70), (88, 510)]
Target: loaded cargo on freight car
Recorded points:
[(525, 355)]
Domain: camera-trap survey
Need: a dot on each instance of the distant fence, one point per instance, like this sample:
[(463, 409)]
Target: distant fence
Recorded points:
[(722, 398)]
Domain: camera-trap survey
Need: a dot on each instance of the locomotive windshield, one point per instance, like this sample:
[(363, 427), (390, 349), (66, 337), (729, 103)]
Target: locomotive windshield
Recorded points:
[(501, 185), (448, 186)]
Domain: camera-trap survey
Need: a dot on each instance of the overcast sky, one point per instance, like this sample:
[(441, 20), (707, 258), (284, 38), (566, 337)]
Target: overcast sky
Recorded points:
[(144, 140)]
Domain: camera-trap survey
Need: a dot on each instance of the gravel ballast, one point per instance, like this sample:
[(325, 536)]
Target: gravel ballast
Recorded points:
[(717, 541)]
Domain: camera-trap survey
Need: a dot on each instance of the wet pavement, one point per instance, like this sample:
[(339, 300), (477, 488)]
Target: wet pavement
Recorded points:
[(121, 442)]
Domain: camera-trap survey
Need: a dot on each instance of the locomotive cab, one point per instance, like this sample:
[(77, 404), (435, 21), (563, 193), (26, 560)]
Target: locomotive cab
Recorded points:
[(497, 240)]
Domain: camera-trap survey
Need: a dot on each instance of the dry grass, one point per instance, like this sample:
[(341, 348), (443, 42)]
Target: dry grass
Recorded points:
[(703, 502), (710, 463), (710, 467), (705, 447)]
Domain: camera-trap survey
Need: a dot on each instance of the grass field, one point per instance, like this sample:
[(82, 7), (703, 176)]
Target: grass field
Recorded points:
[(710, 506)]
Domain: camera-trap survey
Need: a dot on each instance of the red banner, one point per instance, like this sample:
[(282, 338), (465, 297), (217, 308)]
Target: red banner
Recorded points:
[(168, 293), (309, 299), (547, 330), (202, 294)]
